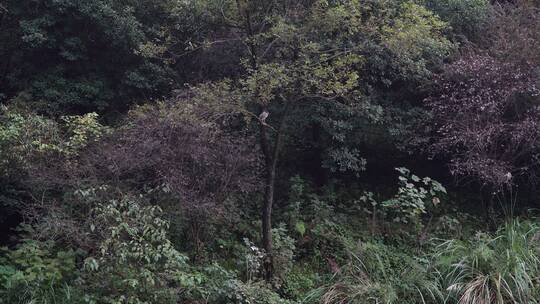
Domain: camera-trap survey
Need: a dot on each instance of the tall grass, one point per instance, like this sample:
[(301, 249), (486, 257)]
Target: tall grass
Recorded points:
[(44, 294), (492, 269), (498, 268), (378, 273)]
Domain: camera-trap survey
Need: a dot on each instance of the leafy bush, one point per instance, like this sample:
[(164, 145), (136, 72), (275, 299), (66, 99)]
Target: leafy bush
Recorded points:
[(23, 138), (486, 114), (464, 16), (283, 253), (253, 260), (414, 196), (26, 135), (300, 281), (217, 285), (135, 262), (82, 130), (415, 37), (416, 200), (256, 293), (34, 272)]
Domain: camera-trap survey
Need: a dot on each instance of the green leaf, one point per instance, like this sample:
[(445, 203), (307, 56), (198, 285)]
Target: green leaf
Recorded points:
[(300, 227)]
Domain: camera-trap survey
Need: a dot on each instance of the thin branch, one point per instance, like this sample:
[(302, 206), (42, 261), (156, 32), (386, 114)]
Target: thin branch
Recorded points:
[(203, 45)]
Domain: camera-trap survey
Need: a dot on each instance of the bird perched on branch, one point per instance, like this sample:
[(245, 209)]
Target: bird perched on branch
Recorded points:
[(262, 117)]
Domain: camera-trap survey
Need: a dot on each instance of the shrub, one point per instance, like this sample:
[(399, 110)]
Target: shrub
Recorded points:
[(217, 285), (24, 139), (300, 281), (34, 272), (414, 196), (136, 262), (283, 253), (464, 16), (486, 113), (256, 293)]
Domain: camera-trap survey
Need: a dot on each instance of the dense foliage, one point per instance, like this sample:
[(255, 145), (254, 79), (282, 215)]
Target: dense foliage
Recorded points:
[(269, 152)]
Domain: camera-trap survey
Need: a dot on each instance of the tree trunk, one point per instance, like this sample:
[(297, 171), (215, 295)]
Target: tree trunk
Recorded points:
[(267, 220), (271, 157)]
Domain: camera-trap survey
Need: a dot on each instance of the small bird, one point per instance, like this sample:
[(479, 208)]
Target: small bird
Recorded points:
[(262, 117)]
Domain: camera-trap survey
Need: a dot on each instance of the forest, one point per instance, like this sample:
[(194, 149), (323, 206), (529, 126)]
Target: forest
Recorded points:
[(269, 151)]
